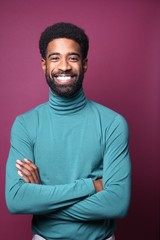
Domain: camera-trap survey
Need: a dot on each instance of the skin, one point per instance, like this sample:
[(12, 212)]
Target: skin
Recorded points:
[(28, 171), (30, 174), (64, 66), (63, 59)]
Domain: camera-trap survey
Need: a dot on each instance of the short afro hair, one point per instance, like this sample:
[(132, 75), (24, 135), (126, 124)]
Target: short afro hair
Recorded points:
[(64, 30)]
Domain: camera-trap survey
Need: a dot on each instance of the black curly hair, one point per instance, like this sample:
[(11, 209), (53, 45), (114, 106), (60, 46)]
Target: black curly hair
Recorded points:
[(64, 30)]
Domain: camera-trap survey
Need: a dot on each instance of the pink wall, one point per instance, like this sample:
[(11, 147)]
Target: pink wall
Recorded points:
[(123, 74)]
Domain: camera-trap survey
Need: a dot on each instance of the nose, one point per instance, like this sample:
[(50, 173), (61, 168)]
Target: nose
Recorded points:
[(64, 65)]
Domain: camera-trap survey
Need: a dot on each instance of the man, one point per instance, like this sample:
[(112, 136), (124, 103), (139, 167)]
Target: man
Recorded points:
[(69, 163)]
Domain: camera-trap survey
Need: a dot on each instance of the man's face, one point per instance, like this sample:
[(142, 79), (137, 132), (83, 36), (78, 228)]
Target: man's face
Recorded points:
[(63, 67)]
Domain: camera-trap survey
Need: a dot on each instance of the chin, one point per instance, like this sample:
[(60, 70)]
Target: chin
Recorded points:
[(66, 91)]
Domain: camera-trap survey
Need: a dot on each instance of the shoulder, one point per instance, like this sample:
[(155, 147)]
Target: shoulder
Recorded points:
[(29, 119), (108, 117), (101, 108), (104, 111), (33, 113)]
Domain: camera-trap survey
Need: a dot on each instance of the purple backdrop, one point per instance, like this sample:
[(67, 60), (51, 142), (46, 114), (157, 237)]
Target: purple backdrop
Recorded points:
[(123, 74)]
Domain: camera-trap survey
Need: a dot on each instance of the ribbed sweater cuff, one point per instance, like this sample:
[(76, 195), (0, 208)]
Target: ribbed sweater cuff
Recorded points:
[(90, 186)]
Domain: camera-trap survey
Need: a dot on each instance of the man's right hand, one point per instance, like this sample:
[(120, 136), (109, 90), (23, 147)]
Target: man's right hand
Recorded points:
[(98, 185), (29, 172)]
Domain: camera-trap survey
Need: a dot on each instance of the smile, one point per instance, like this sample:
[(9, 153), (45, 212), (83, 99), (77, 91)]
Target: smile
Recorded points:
[(64, 78)]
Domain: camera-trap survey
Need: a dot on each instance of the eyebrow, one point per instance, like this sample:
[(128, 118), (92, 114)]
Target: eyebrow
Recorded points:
[(70, 53)]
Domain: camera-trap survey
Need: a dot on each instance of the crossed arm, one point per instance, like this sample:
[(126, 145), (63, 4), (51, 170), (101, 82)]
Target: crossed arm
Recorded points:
[(30, 174), (84, 199)]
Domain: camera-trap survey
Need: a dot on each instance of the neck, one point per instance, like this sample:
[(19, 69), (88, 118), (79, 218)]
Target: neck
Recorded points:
[(64, 106)]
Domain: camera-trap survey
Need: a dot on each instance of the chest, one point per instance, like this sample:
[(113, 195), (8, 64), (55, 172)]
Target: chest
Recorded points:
[(70, 147)]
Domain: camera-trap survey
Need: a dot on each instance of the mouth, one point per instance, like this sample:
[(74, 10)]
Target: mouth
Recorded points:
[(64, 78)]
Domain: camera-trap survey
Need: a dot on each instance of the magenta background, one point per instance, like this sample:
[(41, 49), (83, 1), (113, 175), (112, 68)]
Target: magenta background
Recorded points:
[(123, 74)]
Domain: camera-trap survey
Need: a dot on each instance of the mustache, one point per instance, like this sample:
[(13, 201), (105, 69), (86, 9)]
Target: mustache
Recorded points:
[(66, 73)]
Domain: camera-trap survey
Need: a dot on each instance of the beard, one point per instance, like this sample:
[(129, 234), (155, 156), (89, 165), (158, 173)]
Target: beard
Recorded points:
[(65, 90)]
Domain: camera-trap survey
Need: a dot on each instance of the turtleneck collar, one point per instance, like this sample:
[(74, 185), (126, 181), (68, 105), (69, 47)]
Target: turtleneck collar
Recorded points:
[(65, 106)]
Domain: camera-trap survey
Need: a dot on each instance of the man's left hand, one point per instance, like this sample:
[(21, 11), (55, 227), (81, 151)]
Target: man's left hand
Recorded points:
[(28, 171)]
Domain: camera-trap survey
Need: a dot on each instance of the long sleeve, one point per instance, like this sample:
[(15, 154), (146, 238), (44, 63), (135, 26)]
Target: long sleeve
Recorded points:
[(29, 198), (72, 142), (113, 200)]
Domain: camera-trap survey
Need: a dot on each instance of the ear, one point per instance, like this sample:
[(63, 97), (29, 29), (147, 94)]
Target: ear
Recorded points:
[(43, 64), (85, 64)]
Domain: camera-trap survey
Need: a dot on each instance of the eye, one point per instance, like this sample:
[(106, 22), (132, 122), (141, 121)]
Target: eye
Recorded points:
[(73, 58), (54, 59)]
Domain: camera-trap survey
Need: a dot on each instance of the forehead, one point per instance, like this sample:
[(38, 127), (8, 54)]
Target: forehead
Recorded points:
[(63, 46)]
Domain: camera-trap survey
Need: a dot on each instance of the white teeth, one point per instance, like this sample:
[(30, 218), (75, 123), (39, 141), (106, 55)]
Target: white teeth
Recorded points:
[(64, 78)]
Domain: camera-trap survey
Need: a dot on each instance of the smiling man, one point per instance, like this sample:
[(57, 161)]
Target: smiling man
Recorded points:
[(64, 67), (69, 162)]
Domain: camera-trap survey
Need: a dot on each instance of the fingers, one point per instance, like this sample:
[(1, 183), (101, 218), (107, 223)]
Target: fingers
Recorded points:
[(98, 185), (28, 171), (30, 165), (26, 179)]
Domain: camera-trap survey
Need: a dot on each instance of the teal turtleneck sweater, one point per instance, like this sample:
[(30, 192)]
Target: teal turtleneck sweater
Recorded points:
[(73, 142)]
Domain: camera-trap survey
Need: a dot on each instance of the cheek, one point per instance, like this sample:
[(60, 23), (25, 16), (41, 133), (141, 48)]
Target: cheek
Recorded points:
[(50, 69), (78, 69)]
